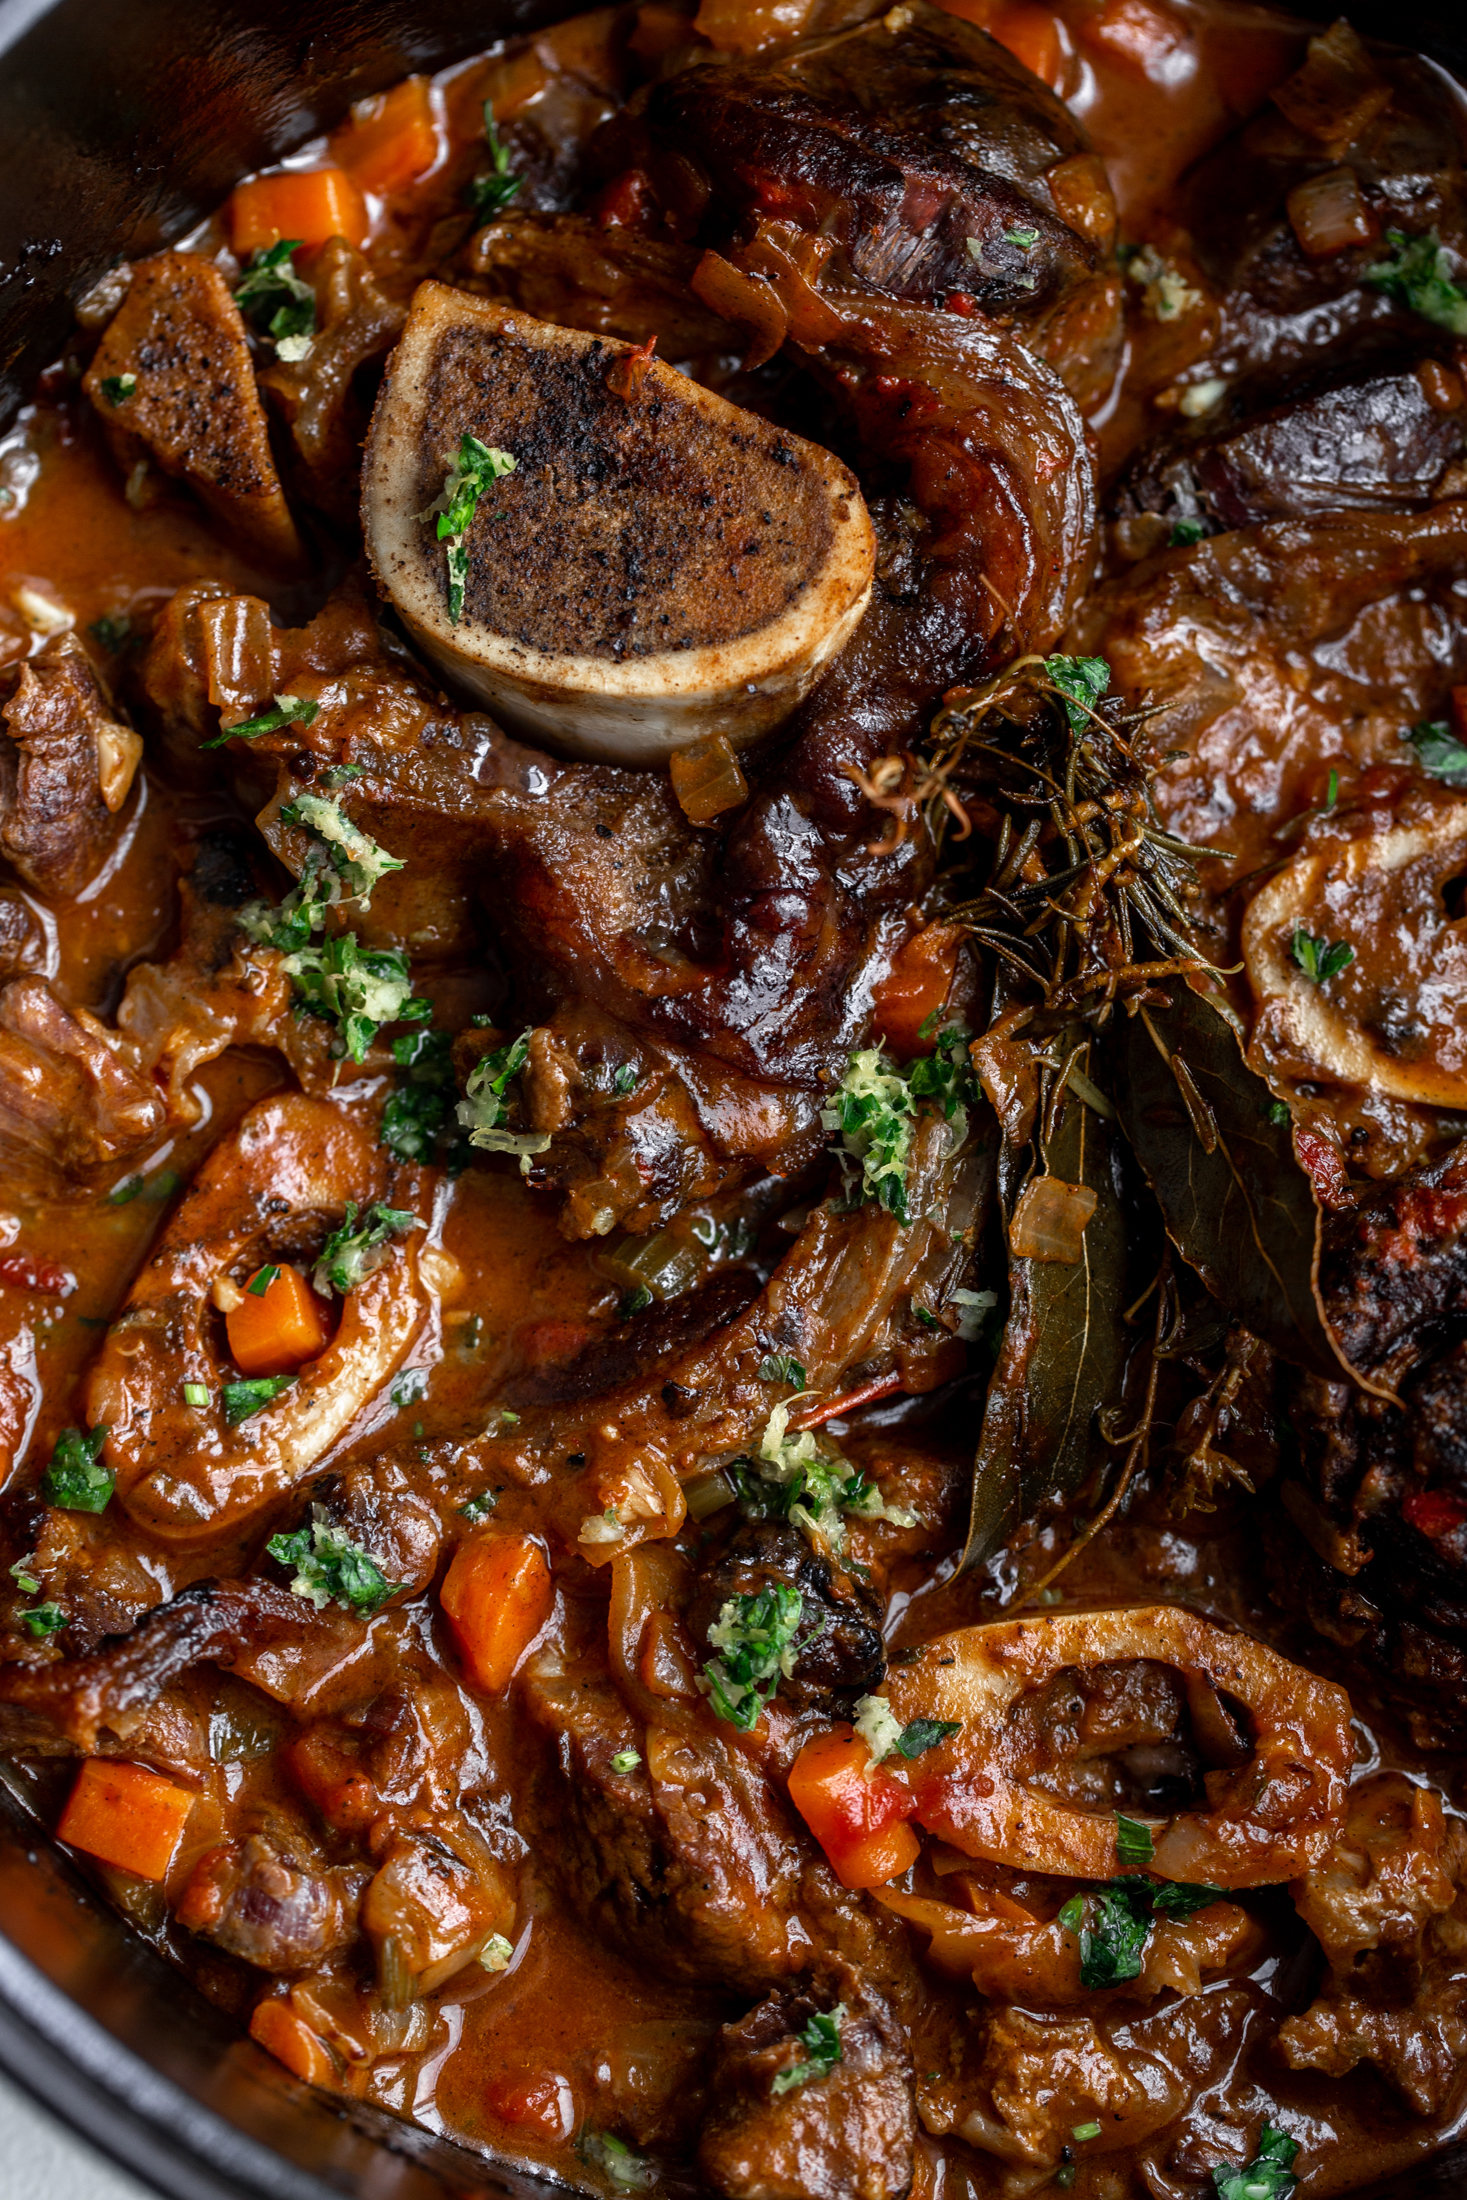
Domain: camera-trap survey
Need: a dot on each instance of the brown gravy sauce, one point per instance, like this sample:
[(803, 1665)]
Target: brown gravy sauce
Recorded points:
[(574, 2032)]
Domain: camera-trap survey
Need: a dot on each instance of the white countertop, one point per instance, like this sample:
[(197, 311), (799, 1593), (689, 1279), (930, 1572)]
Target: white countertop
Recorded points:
[(41, 2160)]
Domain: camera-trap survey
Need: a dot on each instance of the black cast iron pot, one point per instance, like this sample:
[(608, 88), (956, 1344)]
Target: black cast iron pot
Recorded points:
[(119, 126)]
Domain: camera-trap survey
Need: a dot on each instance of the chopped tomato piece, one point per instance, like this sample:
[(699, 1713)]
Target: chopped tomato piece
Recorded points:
[(549, 1343), (391, 140), (1434, 1513), (542, 2101), (855, 1810), (276, 1330), (18, 1272), (125, 1815), (307, 204), (496, 1596)]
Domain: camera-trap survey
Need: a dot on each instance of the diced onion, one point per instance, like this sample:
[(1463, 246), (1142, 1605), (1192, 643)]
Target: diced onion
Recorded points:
[(1328, 214), (1049, 1221)]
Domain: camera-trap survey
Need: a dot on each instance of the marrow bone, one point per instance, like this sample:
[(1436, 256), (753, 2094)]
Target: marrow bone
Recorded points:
[(1394, 1019), (660, 565)]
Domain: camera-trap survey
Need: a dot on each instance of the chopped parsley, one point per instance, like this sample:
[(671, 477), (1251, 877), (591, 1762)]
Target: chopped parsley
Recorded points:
[(350, 1254), (251, 1395), (285, 710), (635, 1301), (1418, 275), (331, 1570), (479, 1508), (920, 1735), (626, 1079), (1114, 1923), (874, 1104), (1081, 681), (1318, 958), (43, 1619), (944, 1076), (357, 988), (114, 632), (885, 1736), (76, 1479), (353, 855), (633, 2172), (1269, 2176), (872, 1110), (821, 2042), (1185, 533), (1442, 755), (782, 1367), (277, 302), (754, 1637), (494, 186), (476, 466), (487, 1104), (420, 1117), (1134, 1844), (1278, 1111), (118, 388), (410, 1387), (804, 1478)]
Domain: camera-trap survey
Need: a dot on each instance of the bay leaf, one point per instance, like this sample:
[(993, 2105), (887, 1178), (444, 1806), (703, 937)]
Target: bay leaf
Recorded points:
[(1064, 1343), (1237, 1203)]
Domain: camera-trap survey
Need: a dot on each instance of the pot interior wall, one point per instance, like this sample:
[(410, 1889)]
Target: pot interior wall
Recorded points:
[(118, 129)]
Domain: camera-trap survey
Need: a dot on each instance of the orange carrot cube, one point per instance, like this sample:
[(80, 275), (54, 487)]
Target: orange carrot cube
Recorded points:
[(276, 1330), (125, 1815), (390, 140), (307, 204), (496, 1596)]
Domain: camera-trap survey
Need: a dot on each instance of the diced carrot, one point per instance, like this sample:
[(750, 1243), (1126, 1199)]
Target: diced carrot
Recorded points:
[(1434, 1513), (308, 204), (496, 1596), (287, 2036), (1029, 31), (855, 1810), (1031, 35), (125, 1815), (390, 140), (916, 987), (275, 1331)]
